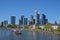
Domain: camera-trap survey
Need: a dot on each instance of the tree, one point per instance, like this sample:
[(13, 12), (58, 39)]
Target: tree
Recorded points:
[(2, 26), (58, 29), (12, 26), (48, 27), (27, 26)]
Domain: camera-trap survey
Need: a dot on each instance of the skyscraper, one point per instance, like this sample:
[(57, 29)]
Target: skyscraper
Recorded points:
[(43, 16), (22, 20), (37, 17), (44, 20), (5, 23), (31, 19), (20, 23), (2, 23), (25, 21), (13, 19)]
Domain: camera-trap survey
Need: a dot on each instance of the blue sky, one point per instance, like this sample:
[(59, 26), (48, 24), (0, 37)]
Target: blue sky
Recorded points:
[(8, 8)]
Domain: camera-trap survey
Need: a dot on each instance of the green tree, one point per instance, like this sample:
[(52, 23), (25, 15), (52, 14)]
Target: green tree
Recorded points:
[(2, 26), (26, 26), (12, 26), (48, 27), (58, 29)]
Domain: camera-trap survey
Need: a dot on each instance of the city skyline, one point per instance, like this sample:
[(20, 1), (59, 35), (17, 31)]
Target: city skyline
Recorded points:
[(20, 7), (25, 21)]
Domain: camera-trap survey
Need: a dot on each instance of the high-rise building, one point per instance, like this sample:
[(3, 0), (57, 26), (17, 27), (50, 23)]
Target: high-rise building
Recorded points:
[(20, 23), (44, 20), (22, 20), (25, 21), (43, 16), (31, 19), (13, 19), (37, 18), (2, 23), (5, 23)]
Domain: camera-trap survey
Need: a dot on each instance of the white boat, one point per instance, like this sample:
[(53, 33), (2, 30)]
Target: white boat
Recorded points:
[(18, 31)]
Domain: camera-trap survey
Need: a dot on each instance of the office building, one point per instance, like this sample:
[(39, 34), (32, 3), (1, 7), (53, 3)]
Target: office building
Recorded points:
[(20, 23), (44, 20), (5, 23), (2, 23), (13, 19), (25, 21), (37, 17), (22, 20), (31, 19)]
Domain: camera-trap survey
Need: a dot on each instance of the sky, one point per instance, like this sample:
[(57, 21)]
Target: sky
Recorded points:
[(8, 8)]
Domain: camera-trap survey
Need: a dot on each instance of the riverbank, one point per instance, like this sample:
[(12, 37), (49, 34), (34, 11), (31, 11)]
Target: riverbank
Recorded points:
[(49, 32), (38, 30)]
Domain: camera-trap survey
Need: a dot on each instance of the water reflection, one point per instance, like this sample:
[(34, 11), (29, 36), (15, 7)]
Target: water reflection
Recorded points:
[(7, 34)]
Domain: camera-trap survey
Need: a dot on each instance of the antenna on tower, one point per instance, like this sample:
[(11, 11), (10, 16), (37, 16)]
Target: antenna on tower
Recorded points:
[(36, 11)]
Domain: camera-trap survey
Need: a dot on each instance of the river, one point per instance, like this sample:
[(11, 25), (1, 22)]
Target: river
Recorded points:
[(7, 34)]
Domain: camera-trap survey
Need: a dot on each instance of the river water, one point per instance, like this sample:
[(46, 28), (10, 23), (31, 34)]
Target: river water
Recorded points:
[(7, 34)]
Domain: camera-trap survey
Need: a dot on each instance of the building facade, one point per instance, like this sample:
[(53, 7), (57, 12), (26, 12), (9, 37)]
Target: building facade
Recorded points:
[(13, 19), (37, 17), (5, 23), (2, 23), (20, 23), (25, 21), (22, 20), (44, 20)]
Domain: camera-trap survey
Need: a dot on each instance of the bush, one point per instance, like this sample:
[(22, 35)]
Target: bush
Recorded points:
[(48, 27), (58, 29), (27, 26), (12, 26), (2, 26)]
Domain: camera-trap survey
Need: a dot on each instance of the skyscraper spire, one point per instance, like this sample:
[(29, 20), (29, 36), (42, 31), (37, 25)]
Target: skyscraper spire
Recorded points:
[(36, 11), (37, 17)]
